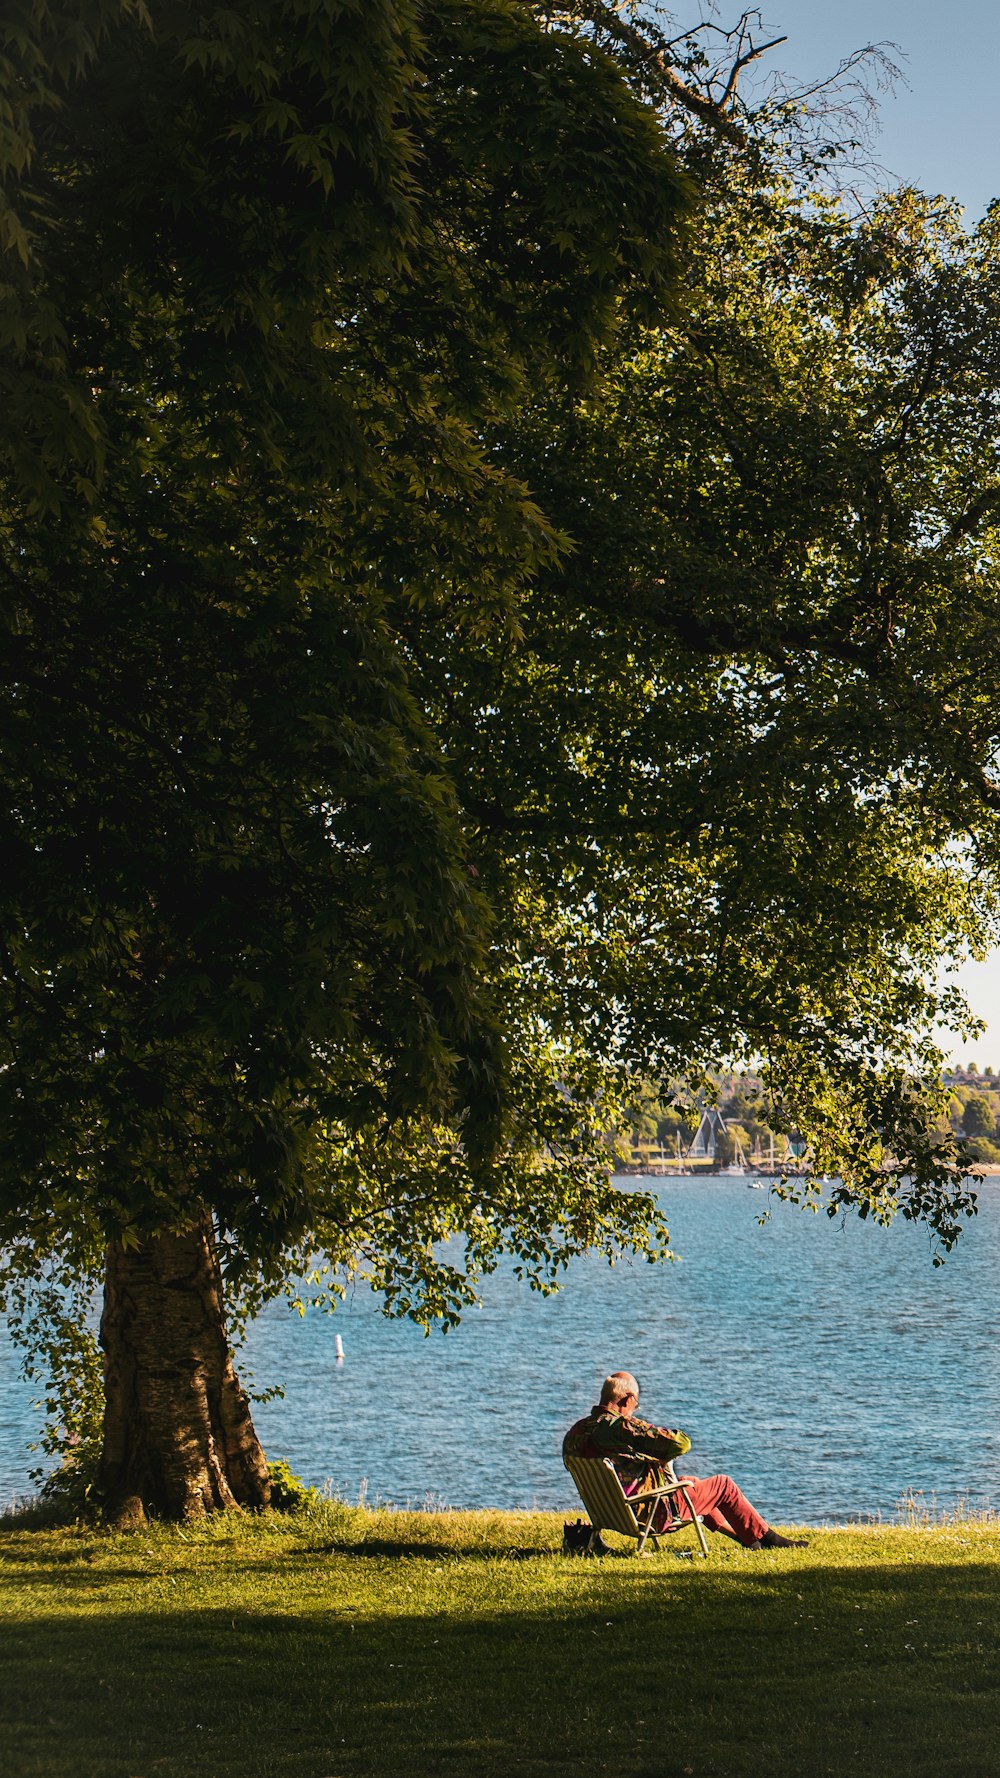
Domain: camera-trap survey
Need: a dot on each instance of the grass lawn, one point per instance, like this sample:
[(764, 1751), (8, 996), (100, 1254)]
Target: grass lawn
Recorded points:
[(343, 1642)]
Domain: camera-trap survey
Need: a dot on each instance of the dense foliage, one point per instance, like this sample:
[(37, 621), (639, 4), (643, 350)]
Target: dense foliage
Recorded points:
[(746, 746), (274, 277)]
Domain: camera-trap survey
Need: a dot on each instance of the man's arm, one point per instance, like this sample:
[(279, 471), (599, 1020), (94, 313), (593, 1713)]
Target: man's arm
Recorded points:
[(641, 1438)]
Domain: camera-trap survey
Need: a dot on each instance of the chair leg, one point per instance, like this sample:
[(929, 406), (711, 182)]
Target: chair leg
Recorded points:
[(699, 1528), (645, 1523)]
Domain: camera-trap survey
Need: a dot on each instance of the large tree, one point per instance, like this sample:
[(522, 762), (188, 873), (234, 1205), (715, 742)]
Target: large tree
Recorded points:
[(273, 278), (467, 656)]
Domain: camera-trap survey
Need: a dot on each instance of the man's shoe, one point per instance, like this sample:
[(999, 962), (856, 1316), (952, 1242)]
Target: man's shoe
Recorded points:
[(582, 1540), (773, 1540)]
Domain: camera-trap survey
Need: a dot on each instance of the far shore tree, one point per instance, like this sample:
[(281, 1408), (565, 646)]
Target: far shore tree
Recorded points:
[(499, 606), (979, 1117)]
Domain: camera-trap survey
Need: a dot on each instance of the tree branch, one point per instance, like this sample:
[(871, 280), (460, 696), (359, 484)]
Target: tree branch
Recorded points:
[(976, 511), (743, 61), (655, 56)]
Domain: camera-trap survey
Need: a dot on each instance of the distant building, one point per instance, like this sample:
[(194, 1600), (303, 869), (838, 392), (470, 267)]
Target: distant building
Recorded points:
[(712, 1126), (969, 1077)]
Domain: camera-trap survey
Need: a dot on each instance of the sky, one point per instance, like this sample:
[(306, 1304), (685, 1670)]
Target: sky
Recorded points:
[(939, 127), (938, 130)]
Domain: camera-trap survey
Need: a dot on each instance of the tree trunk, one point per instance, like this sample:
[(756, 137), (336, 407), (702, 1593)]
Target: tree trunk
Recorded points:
[(179, 1441)]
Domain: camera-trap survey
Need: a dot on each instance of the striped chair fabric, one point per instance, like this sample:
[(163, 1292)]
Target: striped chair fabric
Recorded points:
[(609, 1508)]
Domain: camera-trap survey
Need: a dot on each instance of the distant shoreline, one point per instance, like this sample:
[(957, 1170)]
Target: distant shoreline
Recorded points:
[(985, 1169)]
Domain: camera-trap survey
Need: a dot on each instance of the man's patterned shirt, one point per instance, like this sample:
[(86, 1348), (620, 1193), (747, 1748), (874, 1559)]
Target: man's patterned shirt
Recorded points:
[(634, 1446)]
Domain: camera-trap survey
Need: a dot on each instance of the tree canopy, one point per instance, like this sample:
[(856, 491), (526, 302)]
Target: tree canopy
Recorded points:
[(290, 268), (746, 747)]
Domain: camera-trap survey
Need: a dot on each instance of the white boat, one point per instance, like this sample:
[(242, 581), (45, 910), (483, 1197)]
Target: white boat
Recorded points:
[(737, 1168)]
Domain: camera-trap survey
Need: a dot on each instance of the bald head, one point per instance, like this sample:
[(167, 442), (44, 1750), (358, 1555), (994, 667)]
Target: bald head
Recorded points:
[(617, 1388)]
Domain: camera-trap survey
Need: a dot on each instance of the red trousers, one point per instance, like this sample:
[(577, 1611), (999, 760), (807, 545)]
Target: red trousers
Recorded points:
[(717, 1501)]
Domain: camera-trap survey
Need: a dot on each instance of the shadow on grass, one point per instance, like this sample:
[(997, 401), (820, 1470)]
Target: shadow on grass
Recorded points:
[(792, 1673), (429, 1552)]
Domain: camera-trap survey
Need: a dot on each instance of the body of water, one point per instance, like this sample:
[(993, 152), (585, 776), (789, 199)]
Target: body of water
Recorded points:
[(828, 1366)]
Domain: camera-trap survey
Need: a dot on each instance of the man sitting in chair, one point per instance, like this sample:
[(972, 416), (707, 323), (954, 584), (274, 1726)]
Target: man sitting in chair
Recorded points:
[(638, 1449)]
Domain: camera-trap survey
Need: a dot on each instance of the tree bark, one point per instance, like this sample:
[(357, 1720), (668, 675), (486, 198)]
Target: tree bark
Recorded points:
[(179, 1441)]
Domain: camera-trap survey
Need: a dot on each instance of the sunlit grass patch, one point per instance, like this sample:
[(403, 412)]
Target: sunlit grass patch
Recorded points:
[(344, 1641)]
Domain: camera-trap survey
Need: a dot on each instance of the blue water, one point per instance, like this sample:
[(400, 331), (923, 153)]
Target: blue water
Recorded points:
[(829, 1367)]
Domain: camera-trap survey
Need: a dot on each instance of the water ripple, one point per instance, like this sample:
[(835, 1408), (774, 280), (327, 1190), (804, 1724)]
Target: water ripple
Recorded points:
[(827, 1365)]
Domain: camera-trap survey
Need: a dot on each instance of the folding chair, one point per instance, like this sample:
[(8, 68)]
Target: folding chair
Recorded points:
[(609, 1508)]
